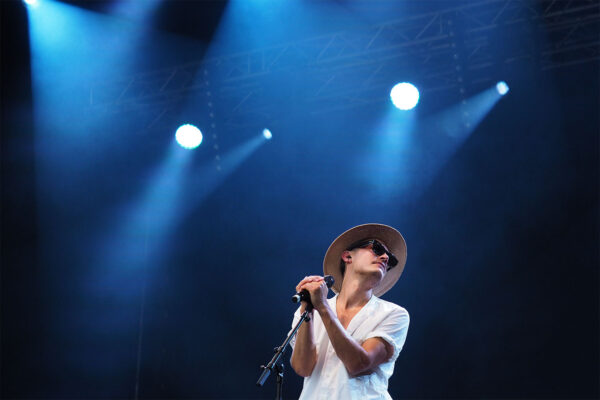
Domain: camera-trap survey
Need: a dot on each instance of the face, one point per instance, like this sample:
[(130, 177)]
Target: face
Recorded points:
[(366, 261)]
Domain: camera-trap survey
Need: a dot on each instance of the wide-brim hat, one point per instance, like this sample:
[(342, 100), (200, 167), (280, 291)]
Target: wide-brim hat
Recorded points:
[(387, 235)]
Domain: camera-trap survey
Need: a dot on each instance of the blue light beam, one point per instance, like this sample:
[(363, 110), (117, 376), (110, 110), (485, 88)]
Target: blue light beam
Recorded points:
[(144, 224), (387, 164), (443, 134), (207, 180)]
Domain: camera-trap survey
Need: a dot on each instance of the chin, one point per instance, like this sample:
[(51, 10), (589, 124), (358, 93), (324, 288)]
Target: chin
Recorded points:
[(379, 272)]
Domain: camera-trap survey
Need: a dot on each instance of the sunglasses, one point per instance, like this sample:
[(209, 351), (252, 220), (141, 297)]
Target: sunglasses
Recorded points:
[(378, 249)]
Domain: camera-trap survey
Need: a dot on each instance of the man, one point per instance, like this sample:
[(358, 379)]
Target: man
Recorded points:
[(348, 348)]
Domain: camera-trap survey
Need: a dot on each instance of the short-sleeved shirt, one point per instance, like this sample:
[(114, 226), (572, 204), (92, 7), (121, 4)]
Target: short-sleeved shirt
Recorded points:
[(329, 379)]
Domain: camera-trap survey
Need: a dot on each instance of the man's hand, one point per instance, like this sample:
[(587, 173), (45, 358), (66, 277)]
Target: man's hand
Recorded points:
[(317, 288)]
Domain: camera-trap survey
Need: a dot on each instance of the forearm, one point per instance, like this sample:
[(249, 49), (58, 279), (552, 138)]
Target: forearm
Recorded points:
[(354, 357), (304, 355)]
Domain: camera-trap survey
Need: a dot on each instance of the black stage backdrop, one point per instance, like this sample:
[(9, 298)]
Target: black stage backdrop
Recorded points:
[(501, 280)]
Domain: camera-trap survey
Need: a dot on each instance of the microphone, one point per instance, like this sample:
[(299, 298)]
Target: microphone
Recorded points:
[(305, 296)]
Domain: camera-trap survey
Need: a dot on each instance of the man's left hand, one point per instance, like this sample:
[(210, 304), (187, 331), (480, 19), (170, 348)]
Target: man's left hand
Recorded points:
[(317, 288)]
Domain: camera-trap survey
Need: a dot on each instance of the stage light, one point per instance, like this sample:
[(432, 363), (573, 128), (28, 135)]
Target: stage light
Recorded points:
[(405, 96), (32, 3), (502, 88), (188, 136), (267, 134)]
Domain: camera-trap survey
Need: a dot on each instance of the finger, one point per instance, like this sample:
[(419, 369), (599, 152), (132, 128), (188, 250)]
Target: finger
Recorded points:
[(300, 286), (302, 282), (308, 279), (315, 278), (308, 286), (312, 286)]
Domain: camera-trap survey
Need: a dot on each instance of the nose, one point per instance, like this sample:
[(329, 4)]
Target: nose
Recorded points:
[(385, 258)]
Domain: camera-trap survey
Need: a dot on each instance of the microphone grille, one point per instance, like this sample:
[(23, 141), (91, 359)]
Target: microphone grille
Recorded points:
[(329, 280)]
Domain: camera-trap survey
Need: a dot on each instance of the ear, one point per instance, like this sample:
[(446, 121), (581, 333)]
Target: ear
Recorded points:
[(346, 256)]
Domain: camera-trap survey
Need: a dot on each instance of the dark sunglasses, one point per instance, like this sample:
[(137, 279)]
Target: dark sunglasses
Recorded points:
[(378, 249)]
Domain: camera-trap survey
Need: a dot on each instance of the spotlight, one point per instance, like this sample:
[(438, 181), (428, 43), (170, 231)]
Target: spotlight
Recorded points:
[(32, 3), (188, 136), (502, 88), (405, 96), (267, 134)]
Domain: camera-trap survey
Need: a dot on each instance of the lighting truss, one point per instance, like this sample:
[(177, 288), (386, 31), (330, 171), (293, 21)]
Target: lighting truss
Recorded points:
[(439, 45)]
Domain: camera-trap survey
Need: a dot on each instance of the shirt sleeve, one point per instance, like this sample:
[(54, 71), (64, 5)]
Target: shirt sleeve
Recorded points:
[(297, 316), (393, 329)]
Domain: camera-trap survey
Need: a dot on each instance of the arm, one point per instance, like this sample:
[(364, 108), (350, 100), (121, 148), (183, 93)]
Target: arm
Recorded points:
[(358, 359), (304, 355)]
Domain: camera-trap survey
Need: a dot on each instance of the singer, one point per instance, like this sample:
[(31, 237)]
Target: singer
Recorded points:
[(348, 348)]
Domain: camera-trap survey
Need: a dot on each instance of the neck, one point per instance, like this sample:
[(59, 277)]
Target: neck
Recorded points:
[(355, 292)]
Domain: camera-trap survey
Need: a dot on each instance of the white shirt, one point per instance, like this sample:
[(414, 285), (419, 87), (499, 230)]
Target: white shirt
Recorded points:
[(329, 379)]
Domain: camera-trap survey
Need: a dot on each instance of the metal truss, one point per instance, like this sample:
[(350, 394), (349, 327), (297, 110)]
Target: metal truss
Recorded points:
[(571, 30), (450, 49)]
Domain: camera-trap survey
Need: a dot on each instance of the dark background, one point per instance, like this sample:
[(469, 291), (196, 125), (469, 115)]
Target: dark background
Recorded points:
[(502, 274)]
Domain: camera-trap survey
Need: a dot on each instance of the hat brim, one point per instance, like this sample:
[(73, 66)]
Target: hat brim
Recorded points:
[(385, 234)]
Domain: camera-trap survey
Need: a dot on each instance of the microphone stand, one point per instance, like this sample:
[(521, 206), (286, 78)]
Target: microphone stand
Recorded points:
[(275, 364)]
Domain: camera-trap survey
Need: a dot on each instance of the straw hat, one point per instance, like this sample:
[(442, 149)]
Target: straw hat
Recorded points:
[(387, 235)]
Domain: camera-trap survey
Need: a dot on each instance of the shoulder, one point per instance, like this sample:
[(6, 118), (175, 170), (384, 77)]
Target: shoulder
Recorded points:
[(391, 309)]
